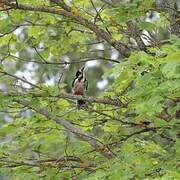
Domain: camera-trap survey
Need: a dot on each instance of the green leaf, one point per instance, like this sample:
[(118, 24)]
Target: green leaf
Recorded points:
[(147, 26), (171, 70)]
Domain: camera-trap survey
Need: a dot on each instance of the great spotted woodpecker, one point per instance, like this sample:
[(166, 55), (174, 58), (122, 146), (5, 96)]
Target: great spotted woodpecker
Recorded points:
[(79, 86)]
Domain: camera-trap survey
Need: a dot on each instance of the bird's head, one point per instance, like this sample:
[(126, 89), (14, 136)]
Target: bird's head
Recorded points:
[(79, 72)]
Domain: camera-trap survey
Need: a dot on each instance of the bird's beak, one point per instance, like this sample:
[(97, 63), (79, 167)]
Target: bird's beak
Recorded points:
[(82, 69)]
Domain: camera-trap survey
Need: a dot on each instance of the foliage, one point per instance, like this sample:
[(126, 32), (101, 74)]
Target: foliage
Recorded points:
[(135, 118)]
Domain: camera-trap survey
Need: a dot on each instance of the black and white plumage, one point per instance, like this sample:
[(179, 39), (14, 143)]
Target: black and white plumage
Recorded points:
[(79, 86)]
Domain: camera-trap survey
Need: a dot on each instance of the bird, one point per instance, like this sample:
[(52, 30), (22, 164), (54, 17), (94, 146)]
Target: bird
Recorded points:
[(79, 86)]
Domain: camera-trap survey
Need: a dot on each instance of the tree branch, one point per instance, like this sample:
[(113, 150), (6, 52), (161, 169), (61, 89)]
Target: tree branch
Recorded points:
[(97, 145), (90, 99), (69, 12), (73, 61), (136, 33), (126, 137), (121, 47), (54, 162), (171, 7), (18, 78)]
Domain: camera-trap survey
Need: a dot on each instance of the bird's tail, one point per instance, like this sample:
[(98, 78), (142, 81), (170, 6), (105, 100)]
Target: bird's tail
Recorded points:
[(80, 104)]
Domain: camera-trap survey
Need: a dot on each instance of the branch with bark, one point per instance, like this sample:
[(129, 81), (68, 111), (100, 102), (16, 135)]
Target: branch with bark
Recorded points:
[(96, 144), (90, 99), (60, 163), (69, 12), (171, 7), (61, 63), (18, 78), (136, 34)]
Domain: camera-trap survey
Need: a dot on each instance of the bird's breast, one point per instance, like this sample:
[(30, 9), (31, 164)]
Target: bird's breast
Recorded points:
[(79, 88)]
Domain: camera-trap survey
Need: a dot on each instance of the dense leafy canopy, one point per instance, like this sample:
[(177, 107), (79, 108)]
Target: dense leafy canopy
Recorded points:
[(129, 126)]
